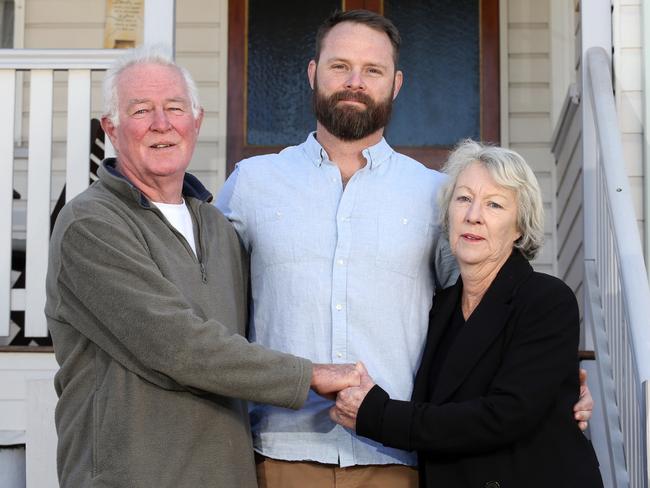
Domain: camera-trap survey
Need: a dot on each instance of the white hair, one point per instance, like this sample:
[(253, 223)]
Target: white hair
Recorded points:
[(509, 170), (155, 54)]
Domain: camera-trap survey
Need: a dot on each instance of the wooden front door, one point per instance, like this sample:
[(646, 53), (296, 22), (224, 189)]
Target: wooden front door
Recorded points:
[(449, 56)]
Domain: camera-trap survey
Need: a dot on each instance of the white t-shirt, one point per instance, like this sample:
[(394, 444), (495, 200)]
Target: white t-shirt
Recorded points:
[(179, 216)]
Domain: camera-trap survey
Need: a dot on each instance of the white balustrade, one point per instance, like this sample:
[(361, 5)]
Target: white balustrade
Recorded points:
[(41, 66), (622, 337)]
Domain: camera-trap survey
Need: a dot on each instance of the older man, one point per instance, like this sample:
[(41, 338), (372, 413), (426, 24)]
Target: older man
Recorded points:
[(343, 234), (147, 301)]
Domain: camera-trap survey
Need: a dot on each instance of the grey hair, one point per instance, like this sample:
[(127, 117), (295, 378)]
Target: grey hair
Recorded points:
[(144, 54), (509, 170)]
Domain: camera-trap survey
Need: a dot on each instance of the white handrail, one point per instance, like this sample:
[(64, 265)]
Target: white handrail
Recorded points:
[(58, 59), (619, 274), (636, 291)]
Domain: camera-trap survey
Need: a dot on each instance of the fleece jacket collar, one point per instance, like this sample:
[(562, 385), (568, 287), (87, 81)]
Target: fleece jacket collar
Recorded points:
[(108, 173)]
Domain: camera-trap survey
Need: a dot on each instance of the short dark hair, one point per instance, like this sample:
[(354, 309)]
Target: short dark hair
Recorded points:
[(365, 17)]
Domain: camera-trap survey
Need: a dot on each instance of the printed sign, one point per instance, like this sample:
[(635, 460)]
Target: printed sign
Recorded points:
[(124, 24)]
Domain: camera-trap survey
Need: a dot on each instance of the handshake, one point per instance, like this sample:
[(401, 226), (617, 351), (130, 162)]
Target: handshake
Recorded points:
[(348, 384)]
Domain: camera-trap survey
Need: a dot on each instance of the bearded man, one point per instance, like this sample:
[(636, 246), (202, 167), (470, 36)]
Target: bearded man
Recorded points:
[(343, 235)]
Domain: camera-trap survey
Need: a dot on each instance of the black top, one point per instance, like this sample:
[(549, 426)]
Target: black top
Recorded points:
[(451, 331), (501, 411)]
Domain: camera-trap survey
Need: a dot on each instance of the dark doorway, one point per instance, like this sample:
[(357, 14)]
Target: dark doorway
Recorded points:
[(449, 56)]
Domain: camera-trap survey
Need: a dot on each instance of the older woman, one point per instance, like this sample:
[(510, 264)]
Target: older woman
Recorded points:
[(492, 401)]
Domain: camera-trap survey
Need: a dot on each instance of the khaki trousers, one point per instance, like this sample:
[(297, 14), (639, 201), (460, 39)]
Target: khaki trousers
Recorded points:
[(272, 473)]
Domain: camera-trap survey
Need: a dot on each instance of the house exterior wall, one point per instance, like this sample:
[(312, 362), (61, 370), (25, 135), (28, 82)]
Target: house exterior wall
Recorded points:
[(530, 93), (568, 184), (526, 111), (201, 46), (628, 88), (529, 84), (531, 88)]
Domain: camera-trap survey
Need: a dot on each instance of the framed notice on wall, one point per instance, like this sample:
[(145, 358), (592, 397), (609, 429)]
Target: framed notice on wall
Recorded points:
[(124, 24)]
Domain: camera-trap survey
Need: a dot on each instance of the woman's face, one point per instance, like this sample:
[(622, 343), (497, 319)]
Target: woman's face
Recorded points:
[(482, 218)]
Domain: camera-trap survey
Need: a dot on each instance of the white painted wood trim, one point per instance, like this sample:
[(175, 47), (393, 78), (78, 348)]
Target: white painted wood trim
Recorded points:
[(596, 30), (28, 361), (78, 137), (58, 59), (645, 74), (504, 79), (223, 94), (40, 435), (646, 394), (562, 39), (18, 299), (7, 87), (19, 24), (562, 34), (39, 168), (19, 43), (160, 24)]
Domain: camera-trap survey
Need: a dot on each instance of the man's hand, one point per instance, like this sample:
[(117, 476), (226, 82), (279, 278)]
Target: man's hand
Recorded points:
[(328, 379), (583, 409), (349, 400)]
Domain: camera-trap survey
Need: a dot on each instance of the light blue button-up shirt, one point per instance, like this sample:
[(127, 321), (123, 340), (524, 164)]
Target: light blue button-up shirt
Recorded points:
[(339, 274)]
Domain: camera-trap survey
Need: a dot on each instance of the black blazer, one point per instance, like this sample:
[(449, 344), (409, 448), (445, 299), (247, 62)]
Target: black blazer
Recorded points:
[(501, 412)]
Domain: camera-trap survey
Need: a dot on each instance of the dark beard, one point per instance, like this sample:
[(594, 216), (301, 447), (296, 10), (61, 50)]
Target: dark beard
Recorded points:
[(350, 123)]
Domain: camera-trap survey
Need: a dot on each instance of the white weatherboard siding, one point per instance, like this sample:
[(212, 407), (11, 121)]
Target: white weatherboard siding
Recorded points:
[(27, 402), (528, 107), (16, 369), (201, 46)]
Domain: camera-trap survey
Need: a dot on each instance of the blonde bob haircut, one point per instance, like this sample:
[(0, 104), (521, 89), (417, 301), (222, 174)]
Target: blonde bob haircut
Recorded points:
[(509, 170)]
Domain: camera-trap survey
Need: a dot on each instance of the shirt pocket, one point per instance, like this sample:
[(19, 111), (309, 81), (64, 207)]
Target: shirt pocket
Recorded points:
[(287, 235), (402, 244)]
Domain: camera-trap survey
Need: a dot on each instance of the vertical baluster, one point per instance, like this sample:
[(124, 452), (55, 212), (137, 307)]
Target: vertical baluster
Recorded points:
[(7, 102), (39, 166), (78, 139)]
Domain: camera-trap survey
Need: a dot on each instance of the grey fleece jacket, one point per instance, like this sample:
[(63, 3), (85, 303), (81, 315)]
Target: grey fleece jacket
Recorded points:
[(150, 340)]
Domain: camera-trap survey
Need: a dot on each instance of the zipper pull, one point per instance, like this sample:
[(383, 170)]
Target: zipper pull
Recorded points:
[(204, 275)]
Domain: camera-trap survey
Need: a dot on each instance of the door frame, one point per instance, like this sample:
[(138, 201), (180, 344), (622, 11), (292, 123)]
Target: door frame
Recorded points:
[(433, 157)]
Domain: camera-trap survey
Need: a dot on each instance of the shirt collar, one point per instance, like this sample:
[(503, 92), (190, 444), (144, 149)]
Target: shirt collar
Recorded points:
[(375, 155)]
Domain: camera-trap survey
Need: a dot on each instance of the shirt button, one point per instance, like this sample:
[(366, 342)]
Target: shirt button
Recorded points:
[(339, 355), (339, 306), (340, 262), (278, 213), (345, 219), (405, 221)]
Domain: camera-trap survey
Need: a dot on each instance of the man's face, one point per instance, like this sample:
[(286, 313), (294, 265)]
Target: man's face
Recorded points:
[(354, 81), (157, 131)]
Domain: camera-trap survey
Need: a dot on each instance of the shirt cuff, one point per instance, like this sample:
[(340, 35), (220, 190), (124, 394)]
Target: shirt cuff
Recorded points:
[(385, 420)]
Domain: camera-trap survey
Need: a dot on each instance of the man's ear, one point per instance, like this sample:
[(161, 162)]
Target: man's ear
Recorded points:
[(311, 72), (199, 120), (399, 78), (109, 129)]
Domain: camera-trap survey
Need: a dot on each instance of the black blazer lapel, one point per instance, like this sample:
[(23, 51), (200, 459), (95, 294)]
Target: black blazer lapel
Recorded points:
[(482, 328), (444, 304)]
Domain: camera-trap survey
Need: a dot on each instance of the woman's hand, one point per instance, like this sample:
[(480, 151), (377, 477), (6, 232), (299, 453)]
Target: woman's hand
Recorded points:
[(583, 409), (349, 400)]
